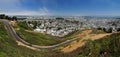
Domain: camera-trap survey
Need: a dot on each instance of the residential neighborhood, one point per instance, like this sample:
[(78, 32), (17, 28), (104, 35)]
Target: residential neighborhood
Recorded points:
[(63, 26)]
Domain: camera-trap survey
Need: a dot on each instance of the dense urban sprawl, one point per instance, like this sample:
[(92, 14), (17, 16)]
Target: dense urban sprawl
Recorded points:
[(62, 26)]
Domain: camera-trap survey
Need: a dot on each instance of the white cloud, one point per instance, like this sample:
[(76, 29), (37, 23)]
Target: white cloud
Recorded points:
[(41, 11), (44, 10), (12, 7)]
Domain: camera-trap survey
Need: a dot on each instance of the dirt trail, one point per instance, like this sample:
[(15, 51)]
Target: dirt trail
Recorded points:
[(21, 44), (85, 35)]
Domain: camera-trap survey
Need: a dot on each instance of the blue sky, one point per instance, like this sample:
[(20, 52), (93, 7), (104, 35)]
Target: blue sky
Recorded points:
[(61, 7)]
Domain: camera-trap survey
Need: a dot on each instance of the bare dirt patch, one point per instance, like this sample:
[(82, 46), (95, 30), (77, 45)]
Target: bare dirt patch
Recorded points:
[(85, 35)]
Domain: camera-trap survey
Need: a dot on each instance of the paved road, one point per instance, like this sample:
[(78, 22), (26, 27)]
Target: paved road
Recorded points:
[(14, 35)]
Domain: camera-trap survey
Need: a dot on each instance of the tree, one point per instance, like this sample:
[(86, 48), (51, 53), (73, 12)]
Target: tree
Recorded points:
[(9, 18), (2, 16), (6, 17), (14, 18)]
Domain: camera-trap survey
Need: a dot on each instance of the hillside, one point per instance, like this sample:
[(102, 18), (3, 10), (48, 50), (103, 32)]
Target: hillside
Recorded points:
[(9, 48), (39, 38), (108, 46)]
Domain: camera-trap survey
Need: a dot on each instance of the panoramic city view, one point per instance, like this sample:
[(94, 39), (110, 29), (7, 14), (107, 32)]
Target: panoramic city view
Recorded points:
[(59, 28)]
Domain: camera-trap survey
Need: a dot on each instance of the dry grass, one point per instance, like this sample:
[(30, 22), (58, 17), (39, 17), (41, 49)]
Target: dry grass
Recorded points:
[(85, 35)]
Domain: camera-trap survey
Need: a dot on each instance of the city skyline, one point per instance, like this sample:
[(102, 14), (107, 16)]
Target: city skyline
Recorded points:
[(60, 7)]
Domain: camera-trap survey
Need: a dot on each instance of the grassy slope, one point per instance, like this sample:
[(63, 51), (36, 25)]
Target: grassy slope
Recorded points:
[(42, 39), (38, 39), (109, 44), (9, 48), (35, 38)]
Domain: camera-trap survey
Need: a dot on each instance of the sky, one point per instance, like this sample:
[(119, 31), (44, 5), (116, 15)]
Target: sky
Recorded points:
[(61, 7)]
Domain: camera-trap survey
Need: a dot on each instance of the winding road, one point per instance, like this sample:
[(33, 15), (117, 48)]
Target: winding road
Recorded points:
[(12, 32)]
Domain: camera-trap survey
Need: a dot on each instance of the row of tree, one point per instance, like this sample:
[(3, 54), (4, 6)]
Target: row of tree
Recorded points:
[(3, 16)]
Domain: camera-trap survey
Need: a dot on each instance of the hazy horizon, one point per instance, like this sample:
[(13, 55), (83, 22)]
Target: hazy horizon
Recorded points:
[(60, 7)]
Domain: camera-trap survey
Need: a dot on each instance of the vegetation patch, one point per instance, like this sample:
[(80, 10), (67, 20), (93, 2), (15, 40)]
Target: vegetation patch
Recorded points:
[(109, 46), (34, 38), (9, 48), (40, 38)]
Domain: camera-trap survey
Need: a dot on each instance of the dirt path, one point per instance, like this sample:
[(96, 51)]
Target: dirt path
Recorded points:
[(85, 35), (21, 44)]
